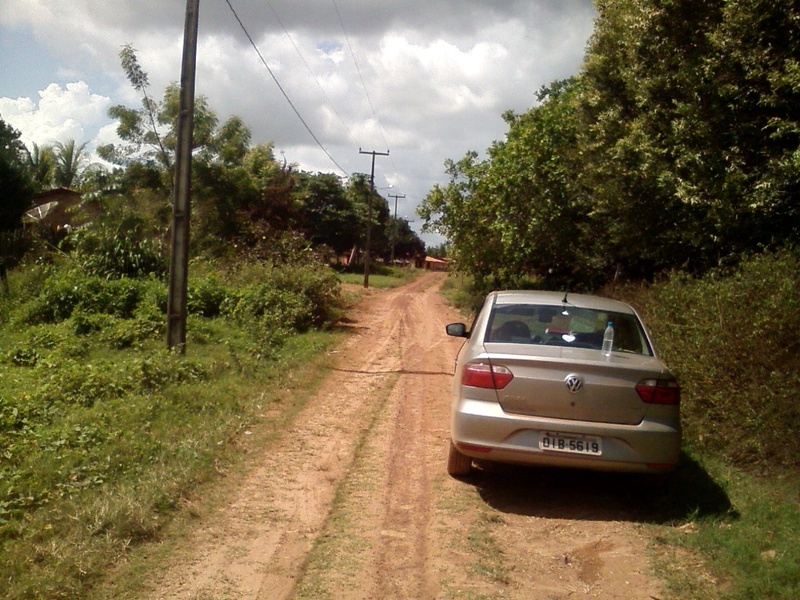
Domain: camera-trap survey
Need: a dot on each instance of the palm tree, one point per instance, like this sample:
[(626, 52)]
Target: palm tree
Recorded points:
[(42, 164), (69, 163)]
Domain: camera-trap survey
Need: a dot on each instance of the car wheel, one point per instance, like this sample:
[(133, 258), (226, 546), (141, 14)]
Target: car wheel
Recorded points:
[(457, 464)]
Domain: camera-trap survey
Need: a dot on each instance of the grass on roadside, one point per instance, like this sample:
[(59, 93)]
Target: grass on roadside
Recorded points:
[(104, 433), (108, 477), (751, 552), (382, 278)]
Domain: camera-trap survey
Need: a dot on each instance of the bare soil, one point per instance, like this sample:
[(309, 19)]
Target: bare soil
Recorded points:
[(352, 500)]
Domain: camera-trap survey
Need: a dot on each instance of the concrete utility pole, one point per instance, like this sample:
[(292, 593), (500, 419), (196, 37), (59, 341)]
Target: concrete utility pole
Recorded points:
[(394, 223), (369, 211), (179, 263)]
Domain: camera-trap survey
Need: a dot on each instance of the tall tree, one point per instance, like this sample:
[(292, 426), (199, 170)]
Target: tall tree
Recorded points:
[(540, 210), (16, 192), (69, 162), (16, 186), (329, 215), (149, 133), (520, 214), (755, 71), (690, 119), (461, 212), (642, 106), (41, 163)]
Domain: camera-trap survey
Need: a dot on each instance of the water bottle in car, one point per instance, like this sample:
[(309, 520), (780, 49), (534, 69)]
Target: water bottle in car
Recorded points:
[(608, 339)]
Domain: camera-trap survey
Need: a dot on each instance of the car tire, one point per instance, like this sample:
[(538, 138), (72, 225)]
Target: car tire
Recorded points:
[(458, 464)]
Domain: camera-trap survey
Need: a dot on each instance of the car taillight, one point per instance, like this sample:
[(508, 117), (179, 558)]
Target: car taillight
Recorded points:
[(659, 391), (483, 375)]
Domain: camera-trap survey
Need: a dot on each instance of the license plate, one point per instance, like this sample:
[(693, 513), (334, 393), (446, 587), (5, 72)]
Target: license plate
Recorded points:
[(574, 443)]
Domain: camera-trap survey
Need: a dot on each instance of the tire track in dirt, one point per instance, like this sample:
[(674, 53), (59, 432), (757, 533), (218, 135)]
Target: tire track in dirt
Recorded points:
[(402, 564)]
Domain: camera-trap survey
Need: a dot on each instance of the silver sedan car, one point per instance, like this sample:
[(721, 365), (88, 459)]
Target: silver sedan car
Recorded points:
[(536, 384)]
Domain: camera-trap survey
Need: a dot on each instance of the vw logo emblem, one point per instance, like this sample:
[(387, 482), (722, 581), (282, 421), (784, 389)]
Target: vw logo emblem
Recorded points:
[(573, 383)]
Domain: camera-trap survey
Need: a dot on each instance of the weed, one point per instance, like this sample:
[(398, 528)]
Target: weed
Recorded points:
[(491, 564)]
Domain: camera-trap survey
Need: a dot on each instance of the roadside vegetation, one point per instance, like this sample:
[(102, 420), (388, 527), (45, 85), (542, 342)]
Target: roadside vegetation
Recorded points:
[(104, 433), (731, 337)]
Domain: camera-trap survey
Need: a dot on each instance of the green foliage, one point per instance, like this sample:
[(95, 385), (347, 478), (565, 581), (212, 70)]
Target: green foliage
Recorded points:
[(16, 185), (460, 291), (125, 251), (102, 431), (69, 163), (675, 148), (69, 292), (330, 213), (732, 339), (41, 163), (287, 300), (206, 295), (317, 285)]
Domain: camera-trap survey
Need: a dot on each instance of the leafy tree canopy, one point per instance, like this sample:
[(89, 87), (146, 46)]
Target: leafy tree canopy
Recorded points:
[(16, 185), (676, 147)]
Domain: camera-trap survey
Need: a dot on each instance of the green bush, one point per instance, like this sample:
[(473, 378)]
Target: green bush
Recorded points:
[(732, 338), (69, 291), (273, 313), (317, 285), (125, 251), (205, 296), (55, 301)]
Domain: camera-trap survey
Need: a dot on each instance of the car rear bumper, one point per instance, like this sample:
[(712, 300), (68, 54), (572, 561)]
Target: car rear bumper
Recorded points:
[(482, 430)]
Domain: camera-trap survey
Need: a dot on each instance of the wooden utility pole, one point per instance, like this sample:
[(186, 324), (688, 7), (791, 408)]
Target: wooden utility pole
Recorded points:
[(394, 223), (179, 263), (369, 211)]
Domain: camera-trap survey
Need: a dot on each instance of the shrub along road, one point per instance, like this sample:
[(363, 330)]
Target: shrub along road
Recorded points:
[(352, 499)]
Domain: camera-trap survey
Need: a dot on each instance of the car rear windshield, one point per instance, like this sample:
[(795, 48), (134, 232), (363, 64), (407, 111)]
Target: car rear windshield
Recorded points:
[(565, 326)]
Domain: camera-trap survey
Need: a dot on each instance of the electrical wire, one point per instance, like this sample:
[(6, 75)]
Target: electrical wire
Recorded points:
[(360, 76), (280, 87), (311, 72)]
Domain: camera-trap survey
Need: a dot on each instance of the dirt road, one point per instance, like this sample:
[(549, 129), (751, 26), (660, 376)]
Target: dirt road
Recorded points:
[(352, 500)]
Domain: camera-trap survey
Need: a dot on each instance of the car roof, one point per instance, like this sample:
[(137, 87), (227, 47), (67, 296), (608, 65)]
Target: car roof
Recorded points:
[(557, 299)]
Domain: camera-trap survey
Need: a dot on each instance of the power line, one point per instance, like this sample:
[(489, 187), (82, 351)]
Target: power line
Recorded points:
[(311, 72), (360, 76), (280, 87)]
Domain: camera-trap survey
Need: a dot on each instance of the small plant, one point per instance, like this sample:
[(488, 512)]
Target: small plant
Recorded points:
[(24, 357)]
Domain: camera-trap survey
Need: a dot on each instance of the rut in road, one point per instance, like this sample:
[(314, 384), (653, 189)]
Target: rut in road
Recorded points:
[(399, 559)]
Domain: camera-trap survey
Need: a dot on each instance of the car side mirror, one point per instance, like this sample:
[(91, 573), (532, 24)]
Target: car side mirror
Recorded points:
[(457, 330)]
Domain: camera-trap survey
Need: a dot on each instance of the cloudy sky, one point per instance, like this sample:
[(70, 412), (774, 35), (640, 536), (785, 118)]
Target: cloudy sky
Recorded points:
[(426, 80)]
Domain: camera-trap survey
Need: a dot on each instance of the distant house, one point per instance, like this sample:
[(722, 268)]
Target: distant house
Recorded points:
[(435, 264)]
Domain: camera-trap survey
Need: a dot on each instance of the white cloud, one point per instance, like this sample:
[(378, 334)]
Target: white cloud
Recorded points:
[(61, 114)]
